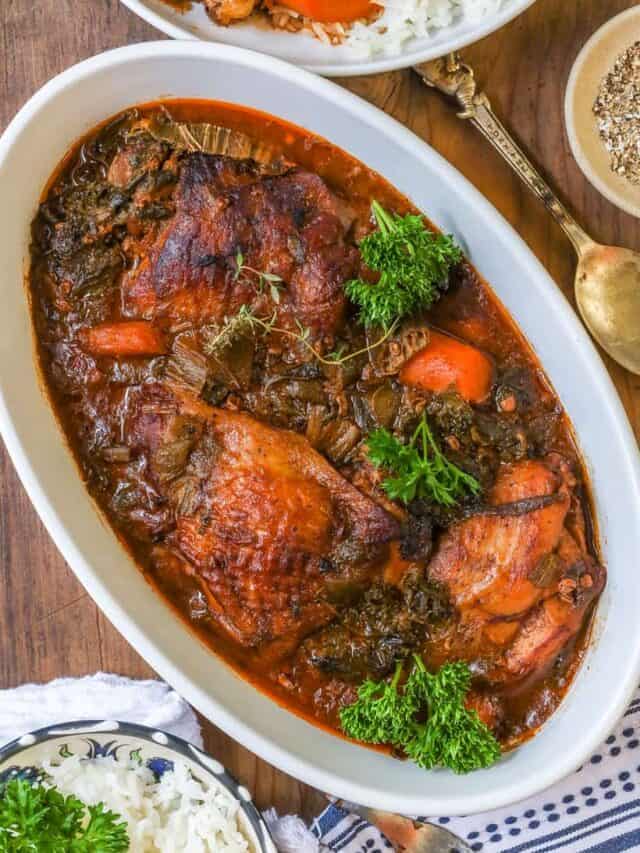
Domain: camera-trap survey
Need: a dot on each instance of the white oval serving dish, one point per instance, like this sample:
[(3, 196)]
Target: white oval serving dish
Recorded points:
[(30, 149), (312, 54)]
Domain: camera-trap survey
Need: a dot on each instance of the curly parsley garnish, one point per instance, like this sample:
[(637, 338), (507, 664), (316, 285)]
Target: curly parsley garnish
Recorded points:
[(413, 264), (381, 714), (451, 735), (38, 818), (420, 468)]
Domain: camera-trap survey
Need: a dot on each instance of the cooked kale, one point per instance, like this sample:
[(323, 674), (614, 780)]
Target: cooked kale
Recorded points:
[(386, 624)]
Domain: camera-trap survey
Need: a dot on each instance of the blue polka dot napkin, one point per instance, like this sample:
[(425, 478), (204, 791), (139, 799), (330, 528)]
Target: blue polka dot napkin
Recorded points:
[(597, 809)]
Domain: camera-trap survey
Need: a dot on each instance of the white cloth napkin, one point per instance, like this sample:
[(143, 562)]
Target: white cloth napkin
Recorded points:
[(96, 697)]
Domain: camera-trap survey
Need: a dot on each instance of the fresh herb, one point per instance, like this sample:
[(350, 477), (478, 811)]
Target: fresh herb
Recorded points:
[(262, 280), (217, 339), (336, 355), (451, 736), (38, 818), (420, 468), (381, 714), (413, 264)]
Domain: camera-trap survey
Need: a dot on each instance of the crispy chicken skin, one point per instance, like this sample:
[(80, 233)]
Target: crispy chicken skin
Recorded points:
[(286, 225), (521, 582), (227, 12), (270, 525)]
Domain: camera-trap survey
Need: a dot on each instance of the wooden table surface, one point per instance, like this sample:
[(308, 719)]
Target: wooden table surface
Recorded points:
[(49, 626)]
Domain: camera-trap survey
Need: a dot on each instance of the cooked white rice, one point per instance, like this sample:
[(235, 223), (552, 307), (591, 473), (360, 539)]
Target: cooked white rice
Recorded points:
[(403, 20), (178, 813)]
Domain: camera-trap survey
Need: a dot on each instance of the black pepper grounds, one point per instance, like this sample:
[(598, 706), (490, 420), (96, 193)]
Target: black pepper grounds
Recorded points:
[(617, 109)]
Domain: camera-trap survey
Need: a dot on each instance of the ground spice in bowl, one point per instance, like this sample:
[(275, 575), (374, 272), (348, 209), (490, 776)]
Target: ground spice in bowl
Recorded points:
[(617, 109)]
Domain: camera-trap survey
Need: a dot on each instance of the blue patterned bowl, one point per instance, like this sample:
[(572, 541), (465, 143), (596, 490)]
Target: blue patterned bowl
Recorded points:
[(158, 750)]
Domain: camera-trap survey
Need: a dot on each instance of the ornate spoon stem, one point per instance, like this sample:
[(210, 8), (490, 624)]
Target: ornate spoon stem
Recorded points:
[(408, 836), (454, 78)]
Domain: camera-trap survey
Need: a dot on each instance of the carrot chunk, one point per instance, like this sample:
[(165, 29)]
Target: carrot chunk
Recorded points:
[(132, 337), (330, 11), (447, 362)]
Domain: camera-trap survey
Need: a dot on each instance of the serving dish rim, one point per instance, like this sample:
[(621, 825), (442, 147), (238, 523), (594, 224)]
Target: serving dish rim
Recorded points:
[(153, 736), (403, 59), (261, 742)]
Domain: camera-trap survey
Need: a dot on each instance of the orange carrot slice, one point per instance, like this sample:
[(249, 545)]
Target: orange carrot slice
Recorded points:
[(132, 337), (330, 11), (447, 362)]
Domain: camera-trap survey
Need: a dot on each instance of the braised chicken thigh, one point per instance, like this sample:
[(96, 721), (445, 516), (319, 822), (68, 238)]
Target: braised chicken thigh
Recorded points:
[(270, 528), (233, 223), (518, 577)]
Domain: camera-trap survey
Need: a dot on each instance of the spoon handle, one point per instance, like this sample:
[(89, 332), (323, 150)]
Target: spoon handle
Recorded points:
[(456, 79)]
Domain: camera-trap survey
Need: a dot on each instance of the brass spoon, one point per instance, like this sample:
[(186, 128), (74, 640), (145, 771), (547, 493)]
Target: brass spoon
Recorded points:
[(607, 282)]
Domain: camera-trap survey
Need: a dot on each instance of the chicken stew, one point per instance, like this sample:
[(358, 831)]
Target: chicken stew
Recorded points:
[(315, 428)]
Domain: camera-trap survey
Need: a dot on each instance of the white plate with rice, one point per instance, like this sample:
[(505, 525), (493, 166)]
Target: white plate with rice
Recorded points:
[(172, 796), (408, 32)]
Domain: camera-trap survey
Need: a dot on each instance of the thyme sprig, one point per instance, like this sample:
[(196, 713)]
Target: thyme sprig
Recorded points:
[(245, 321), (262, 280)]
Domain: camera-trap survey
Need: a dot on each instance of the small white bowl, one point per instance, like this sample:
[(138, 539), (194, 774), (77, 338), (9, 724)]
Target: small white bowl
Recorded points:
[(130, 742), (592, 64)]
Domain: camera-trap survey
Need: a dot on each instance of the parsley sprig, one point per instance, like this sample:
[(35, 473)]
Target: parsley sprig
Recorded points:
[(39, 818), (451, 736), (413, 264), (381, 714), (420, 468)]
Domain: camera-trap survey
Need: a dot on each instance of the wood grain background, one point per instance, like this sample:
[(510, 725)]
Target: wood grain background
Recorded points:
[(49, 627)]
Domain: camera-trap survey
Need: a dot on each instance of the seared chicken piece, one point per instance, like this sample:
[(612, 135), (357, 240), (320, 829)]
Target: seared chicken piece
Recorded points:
[(270, 528), (232, 224), (520, 579), (558, 617), (227, 12), (487, 562)]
